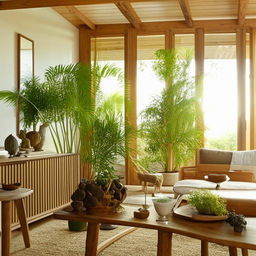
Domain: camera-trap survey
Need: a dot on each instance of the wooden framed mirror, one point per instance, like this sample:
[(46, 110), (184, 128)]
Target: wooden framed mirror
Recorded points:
[(25, 66)]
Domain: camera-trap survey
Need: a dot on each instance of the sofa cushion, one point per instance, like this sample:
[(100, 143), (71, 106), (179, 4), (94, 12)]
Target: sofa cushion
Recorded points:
[(187, 186), (209, 156), (237, 185), (244, 160)]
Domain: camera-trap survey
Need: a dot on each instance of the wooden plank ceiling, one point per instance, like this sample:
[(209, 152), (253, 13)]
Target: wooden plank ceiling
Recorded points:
[(135, 12)]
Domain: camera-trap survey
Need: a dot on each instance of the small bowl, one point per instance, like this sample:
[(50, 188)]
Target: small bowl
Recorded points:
[(11, 186), (217, 178), (141, 214)]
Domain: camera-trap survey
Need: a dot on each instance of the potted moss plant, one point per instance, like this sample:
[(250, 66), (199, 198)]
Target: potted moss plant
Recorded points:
[(207, 203), (168, 123)]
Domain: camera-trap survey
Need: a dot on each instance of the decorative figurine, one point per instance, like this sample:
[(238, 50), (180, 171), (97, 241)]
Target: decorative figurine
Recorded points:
[(25, 142), (143, 212), (37, 138), (42, 132), (11, 145)]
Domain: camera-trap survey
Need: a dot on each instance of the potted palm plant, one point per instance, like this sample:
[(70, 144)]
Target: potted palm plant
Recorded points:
[(168, 123)]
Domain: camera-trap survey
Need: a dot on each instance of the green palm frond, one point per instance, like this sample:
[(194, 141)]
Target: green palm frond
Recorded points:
[(9, 97)]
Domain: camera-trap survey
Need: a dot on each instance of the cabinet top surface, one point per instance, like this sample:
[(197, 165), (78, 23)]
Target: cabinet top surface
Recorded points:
[(30, 157)]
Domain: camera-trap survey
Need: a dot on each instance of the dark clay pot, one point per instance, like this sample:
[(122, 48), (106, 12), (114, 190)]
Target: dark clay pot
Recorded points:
[(238, 229), (11, 145), (77, 225)]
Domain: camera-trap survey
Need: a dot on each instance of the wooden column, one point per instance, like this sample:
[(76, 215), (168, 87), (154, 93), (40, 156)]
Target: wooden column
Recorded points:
[(84, 44), (169, 40), (241, 79), (169, 44), (85, 57), (199, 59), (131, 101), (252, 89)]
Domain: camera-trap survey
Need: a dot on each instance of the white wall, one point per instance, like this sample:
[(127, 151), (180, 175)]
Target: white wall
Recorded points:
[(56, 42)]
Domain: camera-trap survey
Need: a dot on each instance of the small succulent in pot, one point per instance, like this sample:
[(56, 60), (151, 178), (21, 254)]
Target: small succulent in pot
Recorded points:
[(237, 221)]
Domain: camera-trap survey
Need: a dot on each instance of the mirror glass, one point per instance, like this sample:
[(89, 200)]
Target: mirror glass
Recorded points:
[(25, 66)]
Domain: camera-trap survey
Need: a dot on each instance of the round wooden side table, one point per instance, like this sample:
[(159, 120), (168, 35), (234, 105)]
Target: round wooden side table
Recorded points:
[(6, 198)]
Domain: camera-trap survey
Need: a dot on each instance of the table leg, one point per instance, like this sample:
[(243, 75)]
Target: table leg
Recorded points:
[(23, 221), (164, 246), (92, 239), (6, 227), (204, 248), (245, 252), (232, 251)]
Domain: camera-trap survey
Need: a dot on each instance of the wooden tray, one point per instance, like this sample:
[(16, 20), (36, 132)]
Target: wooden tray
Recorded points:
[(190, 213)]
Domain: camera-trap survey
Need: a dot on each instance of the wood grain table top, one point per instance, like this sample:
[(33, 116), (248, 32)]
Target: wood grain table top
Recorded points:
[(216, 232)]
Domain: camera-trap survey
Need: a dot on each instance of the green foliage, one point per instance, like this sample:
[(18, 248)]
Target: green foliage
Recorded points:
[(80, 119), (224, 142), (207, 203), (168, 123), (108, 138), (163, 200)]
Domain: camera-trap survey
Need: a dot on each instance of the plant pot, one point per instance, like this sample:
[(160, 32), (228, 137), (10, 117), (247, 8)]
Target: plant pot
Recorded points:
[(238, 229), (77, 226), (170, 178)]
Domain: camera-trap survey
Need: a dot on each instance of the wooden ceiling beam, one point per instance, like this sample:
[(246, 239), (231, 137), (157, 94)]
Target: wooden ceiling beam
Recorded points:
[(24, 4), (184, 5), (81, 17), (242, 6), (129, 13), (178, 27)]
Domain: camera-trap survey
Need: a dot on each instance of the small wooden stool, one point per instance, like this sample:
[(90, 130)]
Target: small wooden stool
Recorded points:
[(6, 198)]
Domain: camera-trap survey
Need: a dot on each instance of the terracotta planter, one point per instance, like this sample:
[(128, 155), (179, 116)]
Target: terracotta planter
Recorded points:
[(170, 178)]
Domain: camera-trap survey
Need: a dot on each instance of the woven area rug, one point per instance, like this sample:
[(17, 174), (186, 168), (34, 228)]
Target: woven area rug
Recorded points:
[(51, 237)]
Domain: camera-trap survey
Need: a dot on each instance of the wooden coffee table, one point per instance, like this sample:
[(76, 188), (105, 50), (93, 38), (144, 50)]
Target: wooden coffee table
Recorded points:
[(217, 232)]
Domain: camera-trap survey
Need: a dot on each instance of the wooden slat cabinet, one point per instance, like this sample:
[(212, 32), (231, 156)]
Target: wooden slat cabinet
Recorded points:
[(53, 179)]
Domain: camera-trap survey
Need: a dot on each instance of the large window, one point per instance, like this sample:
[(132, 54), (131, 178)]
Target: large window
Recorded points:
[(148, 84), (109, 51), (220, 91)]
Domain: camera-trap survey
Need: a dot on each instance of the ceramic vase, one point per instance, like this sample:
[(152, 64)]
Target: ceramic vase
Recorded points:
[(163, 207), (11, 145)]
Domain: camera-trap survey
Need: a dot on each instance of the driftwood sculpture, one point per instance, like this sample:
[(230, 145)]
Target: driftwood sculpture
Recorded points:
[(146, 177), (93, 198)]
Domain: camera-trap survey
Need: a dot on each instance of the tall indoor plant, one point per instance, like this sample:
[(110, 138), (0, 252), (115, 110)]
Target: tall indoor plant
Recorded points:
[(168, 123), (64, 99)]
